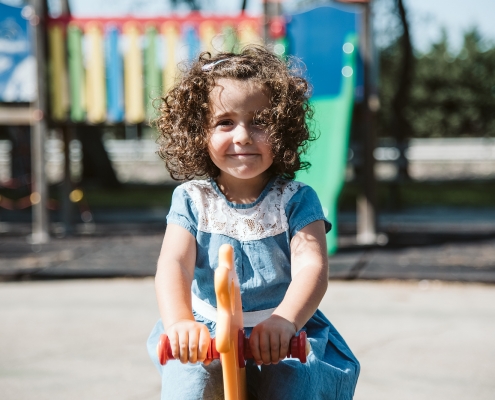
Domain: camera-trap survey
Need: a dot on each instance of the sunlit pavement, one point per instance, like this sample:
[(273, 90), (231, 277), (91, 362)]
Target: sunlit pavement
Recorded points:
[(85, 339)]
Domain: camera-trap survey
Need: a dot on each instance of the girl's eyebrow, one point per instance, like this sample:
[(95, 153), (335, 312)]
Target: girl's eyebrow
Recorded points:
[(223, 114)]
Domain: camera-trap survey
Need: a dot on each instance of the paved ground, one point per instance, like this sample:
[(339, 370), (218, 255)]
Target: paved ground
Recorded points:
[(85, 339)]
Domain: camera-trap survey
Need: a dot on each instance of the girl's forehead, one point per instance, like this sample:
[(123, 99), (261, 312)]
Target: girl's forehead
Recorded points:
[(244, 85), (227, 90)]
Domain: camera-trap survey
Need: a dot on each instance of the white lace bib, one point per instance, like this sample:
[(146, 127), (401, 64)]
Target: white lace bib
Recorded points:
[(265, 219)]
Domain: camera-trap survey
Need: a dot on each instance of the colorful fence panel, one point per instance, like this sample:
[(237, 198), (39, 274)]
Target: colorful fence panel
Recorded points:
[(111, 70)]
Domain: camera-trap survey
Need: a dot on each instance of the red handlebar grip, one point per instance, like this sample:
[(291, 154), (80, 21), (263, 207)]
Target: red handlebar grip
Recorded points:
[(297, 349), (164, 350)]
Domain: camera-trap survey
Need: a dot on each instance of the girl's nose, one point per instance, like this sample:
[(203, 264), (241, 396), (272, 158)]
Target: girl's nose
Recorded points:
[(242, 135)]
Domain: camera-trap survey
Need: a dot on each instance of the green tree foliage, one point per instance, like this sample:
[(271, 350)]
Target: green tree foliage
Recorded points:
[(453, 95)]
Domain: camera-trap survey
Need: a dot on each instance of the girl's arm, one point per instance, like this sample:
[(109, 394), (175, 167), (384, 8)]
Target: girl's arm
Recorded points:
[(269, 340), (175, 271)]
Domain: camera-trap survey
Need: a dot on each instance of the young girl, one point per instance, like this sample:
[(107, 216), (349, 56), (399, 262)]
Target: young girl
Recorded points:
[(240, 120)]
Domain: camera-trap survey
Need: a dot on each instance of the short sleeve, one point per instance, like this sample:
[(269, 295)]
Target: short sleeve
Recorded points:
[(182, 211), (304, 208)]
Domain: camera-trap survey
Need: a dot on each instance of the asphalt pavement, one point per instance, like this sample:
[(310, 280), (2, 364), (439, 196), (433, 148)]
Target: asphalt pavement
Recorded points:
[(84, 339)]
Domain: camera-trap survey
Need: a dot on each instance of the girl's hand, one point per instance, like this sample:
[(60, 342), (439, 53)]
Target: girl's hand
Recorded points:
[(269, 340), (189, 341)]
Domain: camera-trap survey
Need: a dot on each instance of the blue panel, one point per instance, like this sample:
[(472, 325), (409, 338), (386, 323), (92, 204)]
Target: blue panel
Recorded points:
[(192, 40), (317, 37), (17, 64), (114, 76)]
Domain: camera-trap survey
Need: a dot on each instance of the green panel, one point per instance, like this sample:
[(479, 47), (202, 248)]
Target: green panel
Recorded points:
[(328, 154), (152, 72), (76, 73), (230, 44)]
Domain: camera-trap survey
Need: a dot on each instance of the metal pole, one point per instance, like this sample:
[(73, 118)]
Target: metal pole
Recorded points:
[(68, 134), (266, 18), (39, 195), (67, 205), (366, 211), (271, 8)]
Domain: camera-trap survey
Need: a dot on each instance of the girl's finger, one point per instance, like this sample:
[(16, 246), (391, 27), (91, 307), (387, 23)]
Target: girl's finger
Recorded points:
[(193, 347), (174, 343), (284, 346), (265, 348), (184, 347), (203, 343), (254, 343), (275, 348)]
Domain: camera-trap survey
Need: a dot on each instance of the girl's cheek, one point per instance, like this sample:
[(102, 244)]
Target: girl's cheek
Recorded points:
[(216, 145), (263, 137), (214, 142)]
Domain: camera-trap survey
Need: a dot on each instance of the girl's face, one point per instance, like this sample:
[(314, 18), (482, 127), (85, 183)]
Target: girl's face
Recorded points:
[(238, 146)]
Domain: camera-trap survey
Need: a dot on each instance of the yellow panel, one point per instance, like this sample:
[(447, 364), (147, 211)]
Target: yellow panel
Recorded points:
[(133, 75), (58, 73), (95, 75), (171, 32), (248, 33), (206, 34)]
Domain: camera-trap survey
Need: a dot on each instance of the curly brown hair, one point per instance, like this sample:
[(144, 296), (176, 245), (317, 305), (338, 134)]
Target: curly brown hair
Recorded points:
[(185, 112)]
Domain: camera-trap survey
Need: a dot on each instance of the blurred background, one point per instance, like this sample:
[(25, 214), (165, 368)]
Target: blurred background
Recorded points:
[(431, 100), (404, 99)]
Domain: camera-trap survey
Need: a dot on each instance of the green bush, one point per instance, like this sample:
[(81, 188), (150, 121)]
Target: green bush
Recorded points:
[(452, 95)]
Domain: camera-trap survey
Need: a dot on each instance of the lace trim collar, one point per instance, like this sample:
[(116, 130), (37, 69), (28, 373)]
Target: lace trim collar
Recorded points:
[(264, 218), (248, 205)]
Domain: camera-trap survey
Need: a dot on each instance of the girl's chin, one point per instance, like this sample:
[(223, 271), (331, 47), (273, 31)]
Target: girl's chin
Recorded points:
[(243, 175)]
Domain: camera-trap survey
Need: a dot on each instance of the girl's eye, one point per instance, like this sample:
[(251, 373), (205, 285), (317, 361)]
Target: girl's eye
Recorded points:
[(224, 123)]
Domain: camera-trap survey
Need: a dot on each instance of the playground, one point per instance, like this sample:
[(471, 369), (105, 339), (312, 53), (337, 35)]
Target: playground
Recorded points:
[(106, 73), (84, 196)]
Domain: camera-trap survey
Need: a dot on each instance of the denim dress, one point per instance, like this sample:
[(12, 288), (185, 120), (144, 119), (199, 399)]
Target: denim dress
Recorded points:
[(260, 233)]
